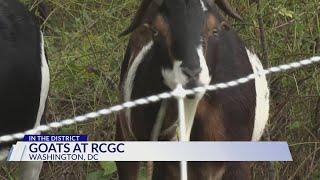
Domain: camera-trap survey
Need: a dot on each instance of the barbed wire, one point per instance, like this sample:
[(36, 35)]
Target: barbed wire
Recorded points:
[(155, 98)]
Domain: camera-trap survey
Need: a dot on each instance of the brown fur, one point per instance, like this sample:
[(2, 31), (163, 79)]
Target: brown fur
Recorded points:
[(209, 116), (164, 30), (140, 37)]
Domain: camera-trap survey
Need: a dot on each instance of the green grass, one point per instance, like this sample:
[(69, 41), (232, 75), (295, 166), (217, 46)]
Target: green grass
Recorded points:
[(85, 55)]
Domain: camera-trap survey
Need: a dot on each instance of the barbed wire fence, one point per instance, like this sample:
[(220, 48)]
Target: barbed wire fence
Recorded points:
[(155, 98)]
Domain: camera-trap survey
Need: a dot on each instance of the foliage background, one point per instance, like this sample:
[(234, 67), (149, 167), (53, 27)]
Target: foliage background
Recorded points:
[(85, 55)]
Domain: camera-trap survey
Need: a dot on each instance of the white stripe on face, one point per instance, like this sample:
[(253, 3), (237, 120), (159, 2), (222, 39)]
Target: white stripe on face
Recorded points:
[(262, 98), (173, 77), (192, 104)]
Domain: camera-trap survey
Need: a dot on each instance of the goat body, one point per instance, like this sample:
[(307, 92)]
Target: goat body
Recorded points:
[(24, 75), (235, 114)]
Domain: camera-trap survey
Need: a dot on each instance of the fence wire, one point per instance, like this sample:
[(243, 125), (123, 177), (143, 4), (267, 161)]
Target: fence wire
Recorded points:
[(157, 98)]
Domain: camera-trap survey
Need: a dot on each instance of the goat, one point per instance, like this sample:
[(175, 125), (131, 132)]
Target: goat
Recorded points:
[(24, 76), (188, 42)]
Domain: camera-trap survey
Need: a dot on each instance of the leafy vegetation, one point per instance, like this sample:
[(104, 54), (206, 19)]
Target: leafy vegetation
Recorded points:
[(85, 55)]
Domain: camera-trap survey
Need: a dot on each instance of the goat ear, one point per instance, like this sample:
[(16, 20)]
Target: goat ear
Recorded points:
[(141, 13), (137, 20), (43, 10), (40, 12), (225, 6)]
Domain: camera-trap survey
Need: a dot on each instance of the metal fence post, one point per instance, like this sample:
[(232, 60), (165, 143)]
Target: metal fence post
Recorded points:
[(180, 95)]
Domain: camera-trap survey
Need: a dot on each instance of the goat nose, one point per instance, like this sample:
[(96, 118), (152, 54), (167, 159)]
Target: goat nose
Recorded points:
[(191, 73), (190, 85)]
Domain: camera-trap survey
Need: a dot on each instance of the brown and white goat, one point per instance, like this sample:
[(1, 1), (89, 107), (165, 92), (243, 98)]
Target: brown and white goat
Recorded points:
[(188, 42)]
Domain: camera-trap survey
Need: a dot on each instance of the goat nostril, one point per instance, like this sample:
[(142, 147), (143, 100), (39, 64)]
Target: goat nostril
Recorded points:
[(192, 84), (191, 73)]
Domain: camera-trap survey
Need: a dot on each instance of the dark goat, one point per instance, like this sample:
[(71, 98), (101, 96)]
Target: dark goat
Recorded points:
[(24, 76), (188, 42)]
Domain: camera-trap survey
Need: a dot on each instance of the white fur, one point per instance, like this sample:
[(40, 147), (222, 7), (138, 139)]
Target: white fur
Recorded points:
[(159, 121), (132, 74), (204, 8), (175, 76), (262, 98), (190, 107), (44, 84), (204, 76)]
